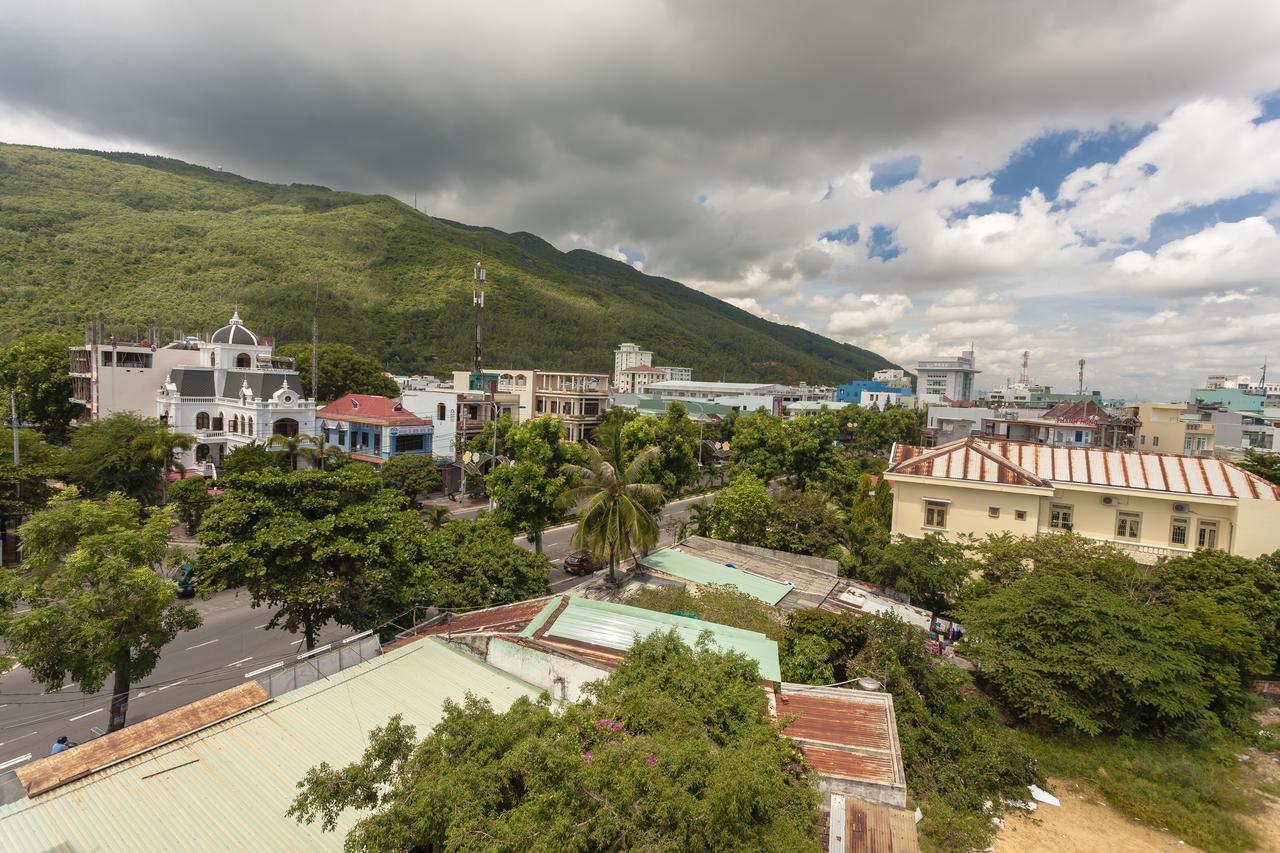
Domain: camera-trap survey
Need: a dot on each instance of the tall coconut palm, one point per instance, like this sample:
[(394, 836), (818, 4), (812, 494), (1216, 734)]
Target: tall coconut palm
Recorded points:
[(295, 447), (616, 510)]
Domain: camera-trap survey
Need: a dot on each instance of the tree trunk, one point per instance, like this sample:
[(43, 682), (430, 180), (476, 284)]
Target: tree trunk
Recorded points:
[(536, 538), (613, 563), (120, 692), (309, 631)]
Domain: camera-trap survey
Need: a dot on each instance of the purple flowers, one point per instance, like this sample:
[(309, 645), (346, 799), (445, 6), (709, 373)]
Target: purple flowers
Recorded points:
[(609, 725), (652, 761), (586, 757)]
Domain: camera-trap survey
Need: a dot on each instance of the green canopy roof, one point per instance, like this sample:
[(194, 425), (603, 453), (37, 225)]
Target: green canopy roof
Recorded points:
[(705, 572)]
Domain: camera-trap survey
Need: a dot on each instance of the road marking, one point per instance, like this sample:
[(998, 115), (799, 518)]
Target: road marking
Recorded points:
[(13, 761), (85, 714), (295, 642), (263, 625), (18, 738), (175, 684), (201, 645), (64, 687), (142, 693), (242, 660)]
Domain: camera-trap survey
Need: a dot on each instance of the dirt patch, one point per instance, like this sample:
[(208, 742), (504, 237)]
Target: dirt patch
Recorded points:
[(1082, 824), (1265, 771)]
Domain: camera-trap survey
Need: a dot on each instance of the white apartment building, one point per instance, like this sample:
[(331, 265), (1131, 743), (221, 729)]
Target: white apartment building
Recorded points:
[(879, 399), (238, 392), (629, 355), (112, 377), (892, 375), (942, 380), (676, 374), (578, 399), (633, 380)]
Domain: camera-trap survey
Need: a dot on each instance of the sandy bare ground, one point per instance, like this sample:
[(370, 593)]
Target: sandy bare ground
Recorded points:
[(1082, 824)]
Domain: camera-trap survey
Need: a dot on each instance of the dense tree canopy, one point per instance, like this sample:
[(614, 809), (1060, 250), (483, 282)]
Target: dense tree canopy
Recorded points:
[(251, 457), (25, 489), (411, 475), (123, 453), (804, 523), (529, 490), (674, 751), (740, 511), (190, 499), (464, 565), (343, 369), (1265, 465), (99, 604), (677, 439), (35, 368), (315, 545)]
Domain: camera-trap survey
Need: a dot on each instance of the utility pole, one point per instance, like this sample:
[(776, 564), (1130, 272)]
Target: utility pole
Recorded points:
[(477, 299), (17, 457), (315, 341), (1080, 387)]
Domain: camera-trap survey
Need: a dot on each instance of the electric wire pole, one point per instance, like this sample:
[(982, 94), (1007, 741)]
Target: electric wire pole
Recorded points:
[(477, 299)]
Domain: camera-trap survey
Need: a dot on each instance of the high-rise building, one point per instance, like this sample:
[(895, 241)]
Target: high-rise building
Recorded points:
[(629, 355), (944, 380)]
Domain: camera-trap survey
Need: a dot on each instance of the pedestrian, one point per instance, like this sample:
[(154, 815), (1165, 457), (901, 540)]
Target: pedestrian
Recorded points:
[(61, 745)]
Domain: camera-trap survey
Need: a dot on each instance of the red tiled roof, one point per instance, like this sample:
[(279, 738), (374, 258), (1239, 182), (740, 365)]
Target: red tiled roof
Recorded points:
[(1027, 463), (371, 409)]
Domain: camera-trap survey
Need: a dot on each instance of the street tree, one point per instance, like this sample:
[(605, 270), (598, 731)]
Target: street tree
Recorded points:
[(464, 565), (190, 499), (343, 369), (740, 511), (410, 475), (528, 492), (301, 446), (99, 603), (254, 456), (674, 751), (35, 369), (25, 489), (932, 571), (318, 546), (677, 438), (124, 453), (616, 507), (804, 523)]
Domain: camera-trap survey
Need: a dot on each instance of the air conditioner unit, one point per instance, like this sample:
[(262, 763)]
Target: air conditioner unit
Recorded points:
[(1182, 507), (1107, 500)]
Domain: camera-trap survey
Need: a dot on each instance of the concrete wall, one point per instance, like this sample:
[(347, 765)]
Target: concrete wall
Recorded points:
[(562, 677), (819, 564)]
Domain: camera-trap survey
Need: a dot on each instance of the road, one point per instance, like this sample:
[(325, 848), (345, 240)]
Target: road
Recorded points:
[(232, 642)]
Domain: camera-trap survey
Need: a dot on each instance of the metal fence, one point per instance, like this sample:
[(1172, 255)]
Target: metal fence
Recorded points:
[(316, 666)]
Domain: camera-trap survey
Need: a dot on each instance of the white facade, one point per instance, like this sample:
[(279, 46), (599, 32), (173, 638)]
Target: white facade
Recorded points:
[(440, 404), (676, 374), (894, 374), (237, 393), (629, 355), (633, 380), (879, 399), (940, 380), (109, 378)]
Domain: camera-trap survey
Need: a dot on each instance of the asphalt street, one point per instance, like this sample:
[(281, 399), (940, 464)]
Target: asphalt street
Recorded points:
[(232, 643)]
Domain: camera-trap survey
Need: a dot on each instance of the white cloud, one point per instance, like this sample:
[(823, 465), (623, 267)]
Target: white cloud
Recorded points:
[(867, 311), (752, 306), (1223, 256)]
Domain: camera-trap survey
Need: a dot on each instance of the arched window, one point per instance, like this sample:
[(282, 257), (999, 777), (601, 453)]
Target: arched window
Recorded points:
[(202, 453), (287, 427), (233, 425), (250, 429), (440, 412), (213, 359), (520, 381), (217, 422), (202, 421), (244, 360)]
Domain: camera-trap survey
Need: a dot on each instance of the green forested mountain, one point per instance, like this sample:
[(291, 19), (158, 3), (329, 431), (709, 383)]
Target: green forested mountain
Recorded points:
[(141, 241)]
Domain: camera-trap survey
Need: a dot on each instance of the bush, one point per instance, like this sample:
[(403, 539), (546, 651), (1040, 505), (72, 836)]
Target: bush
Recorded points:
[(411, 475)]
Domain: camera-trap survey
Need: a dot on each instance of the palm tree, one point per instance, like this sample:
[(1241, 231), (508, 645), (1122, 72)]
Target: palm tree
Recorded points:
[(297, 446), (436, 517), (696, 523), (615, 510)]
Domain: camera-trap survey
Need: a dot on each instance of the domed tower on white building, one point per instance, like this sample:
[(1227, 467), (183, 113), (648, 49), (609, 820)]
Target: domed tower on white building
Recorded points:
[(238, 393)]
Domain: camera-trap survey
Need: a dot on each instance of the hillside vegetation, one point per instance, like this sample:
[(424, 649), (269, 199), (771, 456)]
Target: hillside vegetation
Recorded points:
[(141, 240)]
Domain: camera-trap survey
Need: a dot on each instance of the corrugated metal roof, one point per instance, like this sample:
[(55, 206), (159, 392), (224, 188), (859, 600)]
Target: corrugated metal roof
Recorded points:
[(228, 786), (811, 580), (856, 826), (1030, 464), (847, 734), (705, 572), (617, 626)]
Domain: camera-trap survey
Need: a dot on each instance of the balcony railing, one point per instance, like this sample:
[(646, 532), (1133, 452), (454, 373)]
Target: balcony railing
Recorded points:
[(1140, 551)]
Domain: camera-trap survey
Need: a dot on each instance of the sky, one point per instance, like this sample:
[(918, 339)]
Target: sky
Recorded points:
[(1080, 179)]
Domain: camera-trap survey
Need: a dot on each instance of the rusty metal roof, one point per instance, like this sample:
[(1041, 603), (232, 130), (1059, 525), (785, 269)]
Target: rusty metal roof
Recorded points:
[(857, 826), (67, 766), (846, 734), (1025, 463)]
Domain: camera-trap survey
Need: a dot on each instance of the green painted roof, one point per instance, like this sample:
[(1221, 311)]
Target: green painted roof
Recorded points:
[(704, 572), (228, 786), (816, 405), (617, 626), (655, 405)]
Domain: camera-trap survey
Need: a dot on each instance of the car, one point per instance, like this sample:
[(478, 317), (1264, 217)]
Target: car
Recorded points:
[(186, 581), (581, 564)]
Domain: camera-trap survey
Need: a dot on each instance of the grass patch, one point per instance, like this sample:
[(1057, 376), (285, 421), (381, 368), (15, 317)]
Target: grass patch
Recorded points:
[(718, 604), (1195, 792)]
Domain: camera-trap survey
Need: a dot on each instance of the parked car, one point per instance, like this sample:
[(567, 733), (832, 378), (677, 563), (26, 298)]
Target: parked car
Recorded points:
[(186, 581), (581, 564)]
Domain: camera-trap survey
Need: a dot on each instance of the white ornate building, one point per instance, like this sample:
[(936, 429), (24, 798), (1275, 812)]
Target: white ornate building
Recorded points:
[(238, 393)]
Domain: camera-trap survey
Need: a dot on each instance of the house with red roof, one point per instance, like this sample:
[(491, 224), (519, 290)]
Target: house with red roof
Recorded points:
[(372, 428)]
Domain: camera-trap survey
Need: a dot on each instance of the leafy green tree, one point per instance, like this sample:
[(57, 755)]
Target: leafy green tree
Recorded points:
[(1064, 649), (465, 565), (870, 521), (99, 605), (674, 751), (877, 431), (25, 489), (803, 523), (190, 499), (932, 570), (343, 370), (436, 517), (1264, 465), (35, 368), (411, 475), (676, 437), (124, 453), (696, 523), (316, 545), (250, 457), (740, 511), (528, 493), (810, 447), (759, 446), (292, 448), (616, 508)]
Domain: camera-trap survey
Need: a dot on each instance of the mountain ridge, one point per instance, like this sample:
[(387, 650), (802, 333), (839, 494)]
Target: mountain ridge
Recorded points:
[(141, 240)]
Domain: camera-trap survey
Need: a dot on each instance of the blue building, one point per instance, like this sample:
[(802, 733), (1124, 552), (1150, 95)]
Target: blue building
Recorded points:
[(373, 429), (852, 392)]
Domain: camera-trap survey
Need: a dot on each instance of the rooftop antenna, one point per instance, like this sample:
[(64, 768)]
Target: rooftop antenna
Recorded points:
[(1264, 371), (315, 341), (477, 299), (1080, 389), (1025, 378)]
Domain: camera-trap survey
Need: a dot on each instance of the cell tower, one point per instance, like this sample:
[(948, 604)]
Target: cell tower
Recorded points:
[(1080, 386), (477, 299), (1025, 378)]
